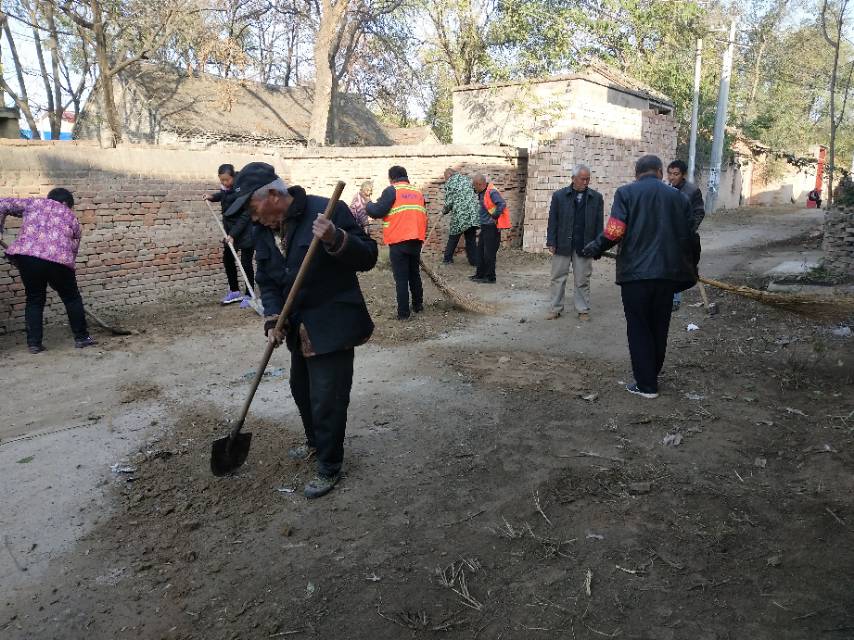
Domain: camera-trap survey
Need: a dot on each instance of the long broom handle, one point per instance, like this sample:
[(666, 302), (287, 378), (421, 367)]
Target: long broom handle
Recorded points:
[(233, 251), (700, 279), (283, 315)]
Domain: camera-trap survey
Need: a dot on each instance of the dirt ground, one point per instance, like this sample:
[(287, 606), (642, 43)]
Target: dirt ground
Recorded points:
[(499, 483)]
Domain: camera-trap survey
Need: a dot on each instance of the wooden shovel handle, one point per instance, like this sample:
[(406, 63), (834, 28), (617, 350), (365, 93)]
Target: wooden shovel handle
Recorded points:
[(286, 310)]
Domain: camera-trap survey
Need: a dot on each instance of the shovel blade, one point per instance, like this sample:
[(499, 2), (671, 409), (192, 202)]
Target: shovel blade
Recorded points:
[(256, 305), (228, 454)]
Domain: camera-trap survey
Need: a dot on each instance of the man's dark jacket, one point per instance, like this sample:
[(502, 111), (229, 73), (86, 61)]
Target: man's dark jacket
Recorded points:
[(562, 219), (330, 303), (658, 242), (695, 197), (238, 224)]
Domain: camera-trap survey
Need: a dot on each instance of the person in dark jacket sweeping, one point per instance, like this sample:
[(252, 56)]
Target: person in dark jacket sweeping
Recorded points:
[(330, 317), (652, 222), (237, 226)]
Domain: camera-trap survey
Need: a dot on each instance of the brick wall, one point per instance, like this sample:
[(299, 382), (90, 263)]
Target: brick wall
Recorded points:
[(591, 141), (147, 233), (839, 240)]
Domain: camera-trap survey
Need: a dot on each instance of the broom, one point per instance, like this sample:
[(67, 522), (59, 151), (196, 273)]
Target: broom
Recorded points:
[(801, 303), (457, 299)]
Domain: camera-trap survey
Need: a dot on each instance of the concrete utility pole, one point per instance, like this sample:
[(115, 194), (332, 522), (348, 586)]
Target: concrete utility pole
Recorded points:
[(720, 123), (695, 111)]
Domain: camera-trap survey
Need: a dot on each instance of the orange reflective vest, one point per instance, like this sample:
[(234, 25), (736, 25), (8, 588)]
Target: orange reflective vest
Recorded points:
[(503, 221), (407, 219)]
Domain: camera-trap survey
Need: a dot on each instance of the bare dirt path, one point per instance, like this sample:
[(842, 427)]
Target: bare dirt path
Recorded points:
[(500, 483)]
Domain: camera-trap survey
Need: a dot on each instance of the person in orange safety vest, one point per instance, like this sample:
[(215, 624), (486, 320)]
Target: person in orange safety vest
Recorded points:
[(404, 214), (494, 216)]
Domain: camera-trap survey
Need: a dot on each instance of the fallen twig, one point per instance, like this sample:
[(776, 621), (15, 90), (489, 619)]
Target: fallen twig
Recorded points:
[(602, 633), (466, 519), (591, 454), (588, 583), (12, 555), (835, 517), (539, 508)]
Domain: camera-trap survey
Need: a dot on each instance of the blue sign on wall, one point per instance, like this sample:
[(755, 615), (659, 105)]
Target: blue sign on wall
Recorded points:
[(26, 133)]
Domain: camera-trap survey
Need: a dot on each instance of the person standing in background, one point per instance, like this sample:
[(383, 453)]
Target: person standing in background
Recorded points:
[(576, 216), (494, 216), (461, 202), (677, 175), (360, 201)]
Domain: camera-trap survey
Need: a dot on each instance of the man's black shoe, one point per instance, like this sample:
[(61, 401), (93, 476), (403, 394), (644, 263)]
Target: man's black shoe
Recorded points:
[(475, 278), (486, 281), (418, 308), (321, 485)]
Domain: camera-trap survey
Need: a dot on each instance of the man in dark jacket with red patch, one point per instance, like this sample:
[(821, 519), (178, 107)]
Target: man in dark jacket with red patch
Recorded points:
[(329, 317), (653, 224)]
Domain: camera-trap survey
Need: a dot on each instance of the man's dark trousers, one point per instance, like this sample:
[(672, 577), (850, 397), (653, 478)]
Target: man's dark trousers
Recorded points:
[(405, 260), (487, 251), (321, 386), (647, 305), (37, 274), (471, 245)]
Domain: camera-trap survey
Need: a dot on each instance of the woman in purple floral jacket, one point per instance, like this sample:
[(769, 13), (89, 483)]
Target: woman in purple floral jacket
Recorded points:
[(45, 251)]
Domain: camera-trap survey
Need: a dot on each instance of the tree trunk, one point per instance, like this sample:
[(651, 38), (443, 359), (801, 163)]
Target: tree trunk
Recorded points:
[(323, 72), (832, 151), (54, 60), (331, 21), (105, 77), (23, 102)]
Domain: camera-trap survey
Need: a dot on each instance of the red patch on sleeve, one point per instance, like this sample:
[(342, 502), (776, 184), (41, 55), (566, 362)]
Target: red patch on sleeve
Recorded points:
[(615, 229)]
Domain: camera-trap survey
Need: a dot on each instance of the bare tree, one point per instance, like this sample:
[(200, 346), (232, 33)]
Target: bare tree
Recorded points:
[(122, 35), (340, 26), (832, 25), (21, 97)]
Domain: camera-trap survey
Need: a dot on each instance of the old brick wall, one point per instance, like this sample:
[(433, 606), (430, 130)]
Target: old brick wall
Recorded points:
[(147, 233), (838, 242), (611, 159)]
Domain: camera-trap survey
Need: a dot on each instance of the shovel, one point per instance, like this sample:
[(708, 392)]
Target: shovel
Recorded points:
[(116, 331), (254, 302), (227, 454)]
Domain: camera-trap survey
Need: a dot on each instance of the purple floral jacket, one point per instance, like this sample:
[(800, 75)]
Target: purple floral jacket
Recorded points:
[(49, 230), (357, 207)]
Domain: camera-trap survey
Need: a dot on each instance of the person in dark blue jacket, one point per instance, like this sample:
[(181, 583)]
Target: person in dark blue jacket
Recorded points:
[(653, 224), (237, 226), (677, 176), (329, 318)]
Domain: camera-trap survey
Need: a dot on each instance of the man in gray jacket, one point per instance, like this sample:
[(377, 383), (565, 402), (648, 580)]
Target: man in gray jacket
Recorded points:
[(575, 218)]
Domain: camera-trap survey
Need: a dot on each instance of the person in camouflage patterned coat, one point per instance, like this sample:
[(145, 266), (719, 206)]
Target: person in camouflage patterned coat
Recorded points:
[(461, 202)]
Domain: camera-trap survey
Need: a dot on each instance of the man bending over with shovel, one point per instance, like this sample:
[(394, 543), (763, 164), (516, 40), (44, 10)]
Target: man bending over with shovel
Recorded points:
[(329, 318)]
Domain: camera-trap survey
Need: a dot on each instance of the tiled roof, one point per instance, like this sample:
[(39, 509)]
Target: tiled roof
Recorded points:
[(204, 105)]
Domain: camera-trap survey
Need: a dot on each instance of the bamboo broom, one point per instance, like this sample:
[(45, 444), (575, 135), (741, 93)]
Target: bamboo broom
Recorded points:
[(801, 303), (457, 299)]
